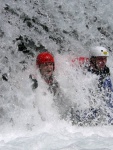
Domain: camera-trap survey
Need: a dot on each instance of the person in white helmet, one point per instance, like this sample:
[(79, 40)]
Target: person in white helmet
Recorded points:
[(98, 59), (97, 65)]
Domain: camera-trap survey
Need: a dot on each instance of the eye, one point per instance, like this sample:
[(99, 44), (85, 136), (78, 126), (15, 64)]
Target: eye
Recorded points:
[(101, 50)]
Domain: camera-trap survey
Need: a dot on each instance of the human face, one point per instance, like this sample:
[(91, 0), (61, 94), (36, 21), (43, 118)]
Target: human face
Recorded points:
[(101, 62), (47, 69)]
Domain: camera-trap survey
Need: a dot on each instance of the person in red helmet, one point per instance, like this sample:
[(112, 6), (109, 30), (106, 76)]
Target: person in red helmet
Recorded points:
[(46, 65)]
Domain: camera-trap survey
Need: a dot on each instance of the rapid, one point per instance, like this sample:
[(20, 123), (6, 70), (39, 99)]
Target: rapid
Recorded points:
[(30, 120)]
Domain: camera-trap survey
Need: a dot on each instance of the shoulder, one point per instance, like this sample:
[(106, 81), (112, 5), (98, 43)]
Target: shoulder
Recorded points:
[(55, 82), (107, 70)]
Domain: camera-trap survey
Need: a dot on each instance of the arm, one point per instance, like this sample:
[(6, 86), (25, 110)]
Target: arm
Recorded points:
[(34, 81)]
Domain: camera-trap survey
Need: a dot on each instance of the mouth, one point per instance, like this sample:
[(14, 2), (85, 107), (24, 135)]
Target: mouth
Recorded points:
[(49, 71)]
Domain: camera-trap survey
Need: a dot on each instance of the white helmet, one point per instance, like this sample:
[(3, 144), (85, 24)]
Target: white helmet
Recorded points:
[(99, 51)]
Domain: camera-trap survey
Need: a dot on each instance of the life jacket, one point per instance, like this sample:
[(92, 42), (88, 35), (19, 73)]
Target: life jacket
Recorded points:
[(107, 84)]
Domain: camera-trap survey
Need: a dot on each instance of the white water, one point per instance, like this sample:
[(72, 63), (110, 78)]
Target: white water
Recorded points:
[(30, 120)]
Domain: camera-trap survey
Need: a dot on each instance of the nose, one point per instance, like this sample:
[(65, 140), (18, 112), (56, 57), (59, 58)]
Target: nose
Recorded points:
[(104, 60), (49, 66)]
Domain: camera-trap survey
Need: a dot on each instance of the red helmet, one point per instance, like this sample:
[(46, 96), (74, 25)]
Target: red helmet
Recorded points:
[(44, 57)]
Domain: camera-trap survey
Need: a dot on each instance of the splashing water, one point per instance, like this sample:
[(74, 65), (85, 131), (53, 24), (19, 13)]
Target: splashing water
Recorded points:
[(30, 119)]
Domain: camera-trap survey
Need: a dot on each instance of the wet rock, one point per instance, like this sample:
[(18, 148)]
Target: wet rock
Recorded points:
[(5, 77)]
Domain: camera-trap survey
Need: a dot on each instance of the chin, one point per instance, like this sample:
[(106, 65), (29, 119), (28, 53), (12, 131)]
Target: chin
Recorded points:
[(48, 75), (101, 68)]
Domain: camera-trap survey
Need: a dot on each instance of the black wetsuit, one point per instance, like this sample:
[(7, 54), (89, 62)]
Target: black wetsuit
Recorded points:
[(102, 74), (61, 101)]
